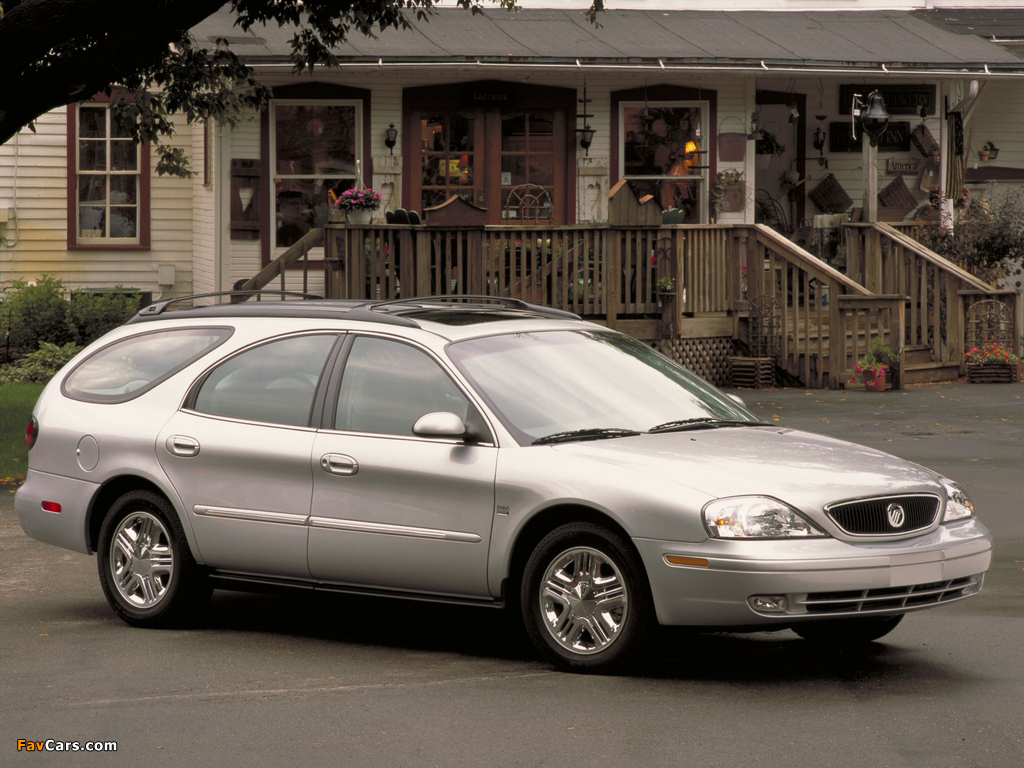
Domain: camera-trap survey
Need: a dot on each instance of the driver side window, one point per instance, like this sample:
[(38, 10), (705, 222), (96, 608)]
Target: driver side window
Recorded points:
[(387, 386)]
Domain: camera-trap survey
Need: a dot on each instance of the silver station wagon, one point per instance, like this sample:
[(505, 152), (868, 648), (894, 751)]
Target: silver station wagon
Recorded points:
[(488, 452)]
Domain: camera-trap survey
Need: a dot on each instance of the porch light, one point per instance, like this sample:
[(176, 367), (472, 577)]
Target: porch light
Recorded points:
[(873, 116), (586, 137), (391, 137)]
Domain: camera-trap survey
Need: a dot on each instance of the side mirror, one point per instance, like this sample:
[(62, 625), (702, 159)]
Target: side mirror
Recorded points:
[(738, 400), (440, 424)]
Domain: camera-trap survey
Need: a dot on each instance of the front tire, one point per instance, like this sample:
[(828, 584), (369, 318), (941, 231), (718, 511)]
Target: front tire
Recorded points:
[(585, 599), (846, 632), (146, 569)]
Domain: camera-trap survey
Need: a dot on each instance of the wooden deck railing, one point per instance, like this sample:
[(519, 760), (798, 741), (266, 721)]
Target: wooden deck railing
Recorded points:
[(647, 281), (888, 261)]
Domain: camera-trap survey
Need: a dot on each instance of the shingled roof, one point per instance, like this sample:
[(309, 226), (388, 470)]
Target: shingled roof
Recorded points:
[(907, 41)]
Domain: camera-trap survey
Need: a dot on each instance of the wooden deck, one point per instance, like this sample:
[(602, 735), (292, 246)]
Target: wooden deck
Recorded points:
[(669, 283)]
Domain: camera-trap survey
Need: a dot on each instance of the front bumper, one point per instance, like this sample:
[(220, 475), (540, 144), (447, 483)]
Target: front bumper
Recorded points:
[(819, 578)]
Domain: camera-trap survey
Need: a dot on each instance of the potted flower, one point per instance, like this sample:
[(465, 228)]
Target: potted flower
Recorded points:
[(666, 284), (992, 363), (359, 203), (874, 368)]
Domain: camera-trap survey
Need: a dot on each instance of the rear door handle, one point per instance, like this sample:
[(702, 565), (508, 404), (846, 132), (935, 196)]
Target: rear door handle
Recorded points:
[(339, 464), (181, 445)]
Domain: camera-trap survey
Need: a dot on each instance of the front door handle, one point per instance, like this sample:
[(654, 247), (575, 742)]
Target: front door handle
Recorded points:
[(339, 464), (181, 445)]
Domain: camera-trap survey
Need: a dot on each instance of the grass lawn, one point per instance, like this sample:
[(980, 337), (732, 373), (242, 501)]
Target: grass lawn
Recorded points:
[(16, 403)]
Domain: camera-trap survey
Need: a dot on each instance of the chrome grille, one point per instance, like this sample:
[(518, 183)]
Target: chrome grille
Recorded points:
[(892, 598), (870, 517)]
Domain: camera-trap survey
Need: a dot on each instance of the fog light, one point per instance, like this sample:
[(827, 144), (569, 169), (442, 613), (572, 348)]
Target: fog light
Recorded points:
[(768, 603)]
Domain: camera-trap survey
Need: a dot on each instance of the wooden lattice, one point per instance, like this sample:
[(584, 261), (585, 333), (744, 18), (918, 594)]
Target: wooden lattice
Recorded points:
[(765, 327), (528, 204), (988, 322), (708, 358)]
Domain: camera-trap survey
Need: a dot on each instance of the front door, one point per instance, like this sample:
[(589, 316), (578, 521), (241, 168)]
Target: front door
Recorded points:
[(487, 143), (392, 510)]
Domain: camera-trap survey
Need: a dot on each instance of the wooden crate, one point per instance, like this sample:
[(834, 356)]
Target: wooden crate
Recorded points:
[(992, 373), (753, 372)]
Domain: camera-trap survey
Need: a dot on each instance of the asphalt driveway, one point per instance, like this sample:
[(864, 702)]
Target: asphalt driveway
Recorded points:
[(360, 682)]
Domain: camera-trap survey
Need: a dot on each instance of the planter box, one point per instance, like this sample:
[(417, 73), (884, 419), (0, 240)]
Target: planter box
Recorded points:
[(992, 373)]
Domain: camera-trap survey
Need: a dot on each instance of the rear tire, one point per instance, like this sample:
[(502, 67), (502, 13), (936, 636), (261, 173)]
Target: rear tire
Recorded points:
[(857, 631), (146, 569), (585, 600)]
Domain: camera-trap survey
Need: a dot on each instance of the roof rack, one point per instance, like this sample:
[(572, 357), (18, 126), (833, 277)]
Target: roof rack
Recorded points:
[(458, 298), (159, 307)]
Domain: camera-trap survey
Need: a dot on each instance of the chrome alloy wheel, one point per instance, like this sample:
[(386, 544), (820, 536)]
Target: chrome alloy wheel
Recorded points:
[(583, 600), (141, 560)]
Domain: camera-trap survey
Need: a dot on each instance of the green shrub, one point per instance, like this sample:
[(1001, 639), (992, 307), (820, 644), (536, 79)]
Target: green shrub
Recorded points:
[(37, 313), (93, 314), (988, 237), (39, 366)]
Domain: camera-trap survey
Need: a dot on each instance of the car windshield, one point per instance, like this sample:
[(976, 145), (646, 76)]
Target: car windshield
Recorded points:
[(596, 384)]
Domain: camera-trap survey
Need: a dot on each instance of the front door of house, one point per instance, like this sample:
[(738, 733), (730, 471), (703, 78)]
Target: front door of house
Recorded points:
[(488, 142)]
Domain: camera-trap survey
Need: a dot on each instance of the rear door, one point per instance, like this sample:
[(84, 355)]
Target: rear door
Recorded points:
[(239, 452)]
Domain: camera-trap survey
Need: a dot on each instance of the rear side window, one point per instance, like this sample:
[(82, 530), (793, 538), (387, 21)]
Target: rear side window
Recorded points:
[(274, 382), (125, 369)]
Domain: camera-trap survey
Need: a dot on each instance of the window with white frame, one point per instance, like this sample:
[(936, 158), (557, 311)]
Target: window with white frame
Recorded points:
[(108, 185), (664, 153), (314, 147)]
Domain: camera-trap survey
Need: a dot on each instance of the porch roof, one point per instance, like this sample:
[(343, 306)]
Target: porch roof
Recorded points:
[(872, 41)]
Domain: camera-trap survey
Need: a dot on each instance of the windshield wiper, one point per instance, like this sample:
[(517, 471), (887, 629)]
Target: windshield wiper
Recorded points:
[(706, 422), (596, 433)]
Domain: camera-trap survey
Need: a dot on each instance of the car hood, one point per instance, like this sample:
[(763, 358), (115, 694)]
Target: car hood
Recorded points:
[(800, 468)]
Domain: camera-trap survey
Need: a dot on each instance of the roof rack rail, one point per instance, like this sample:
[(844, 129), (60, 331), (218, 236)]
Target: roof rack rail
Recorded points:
[(159, 307), (506, 301)]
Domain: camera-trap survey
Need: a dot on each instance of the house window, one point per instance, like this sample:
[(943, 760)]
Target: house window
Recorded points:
[(314, 147), (109, 184), (664, 153)]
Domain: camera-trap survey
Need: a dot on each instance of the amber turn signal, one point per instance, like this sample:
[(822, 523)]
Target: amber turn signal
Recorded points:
[(696, 562)]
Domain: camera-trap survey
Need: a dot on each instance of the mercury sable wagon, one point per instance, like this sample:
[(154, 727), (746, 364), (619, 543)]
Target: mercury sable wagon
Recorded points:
[(489, 452)]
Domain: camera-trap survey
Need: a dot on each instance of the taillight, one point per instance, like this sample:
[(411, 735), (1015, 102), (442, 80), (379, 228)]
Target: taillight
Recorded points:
[(31, 432)]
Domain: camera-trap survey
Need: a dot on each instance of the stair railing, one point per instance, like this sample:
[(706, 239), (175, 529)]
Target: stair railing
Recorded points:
[(279, 266)]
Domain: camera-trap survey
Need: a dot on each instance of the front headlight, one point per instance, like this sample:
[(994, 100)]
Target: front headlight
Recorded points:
[(958, 503), (755, 517)]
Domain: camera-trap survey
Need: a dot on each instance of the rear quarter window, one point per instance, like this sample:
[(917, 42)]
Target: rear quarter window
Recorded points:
[(129, 367)]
